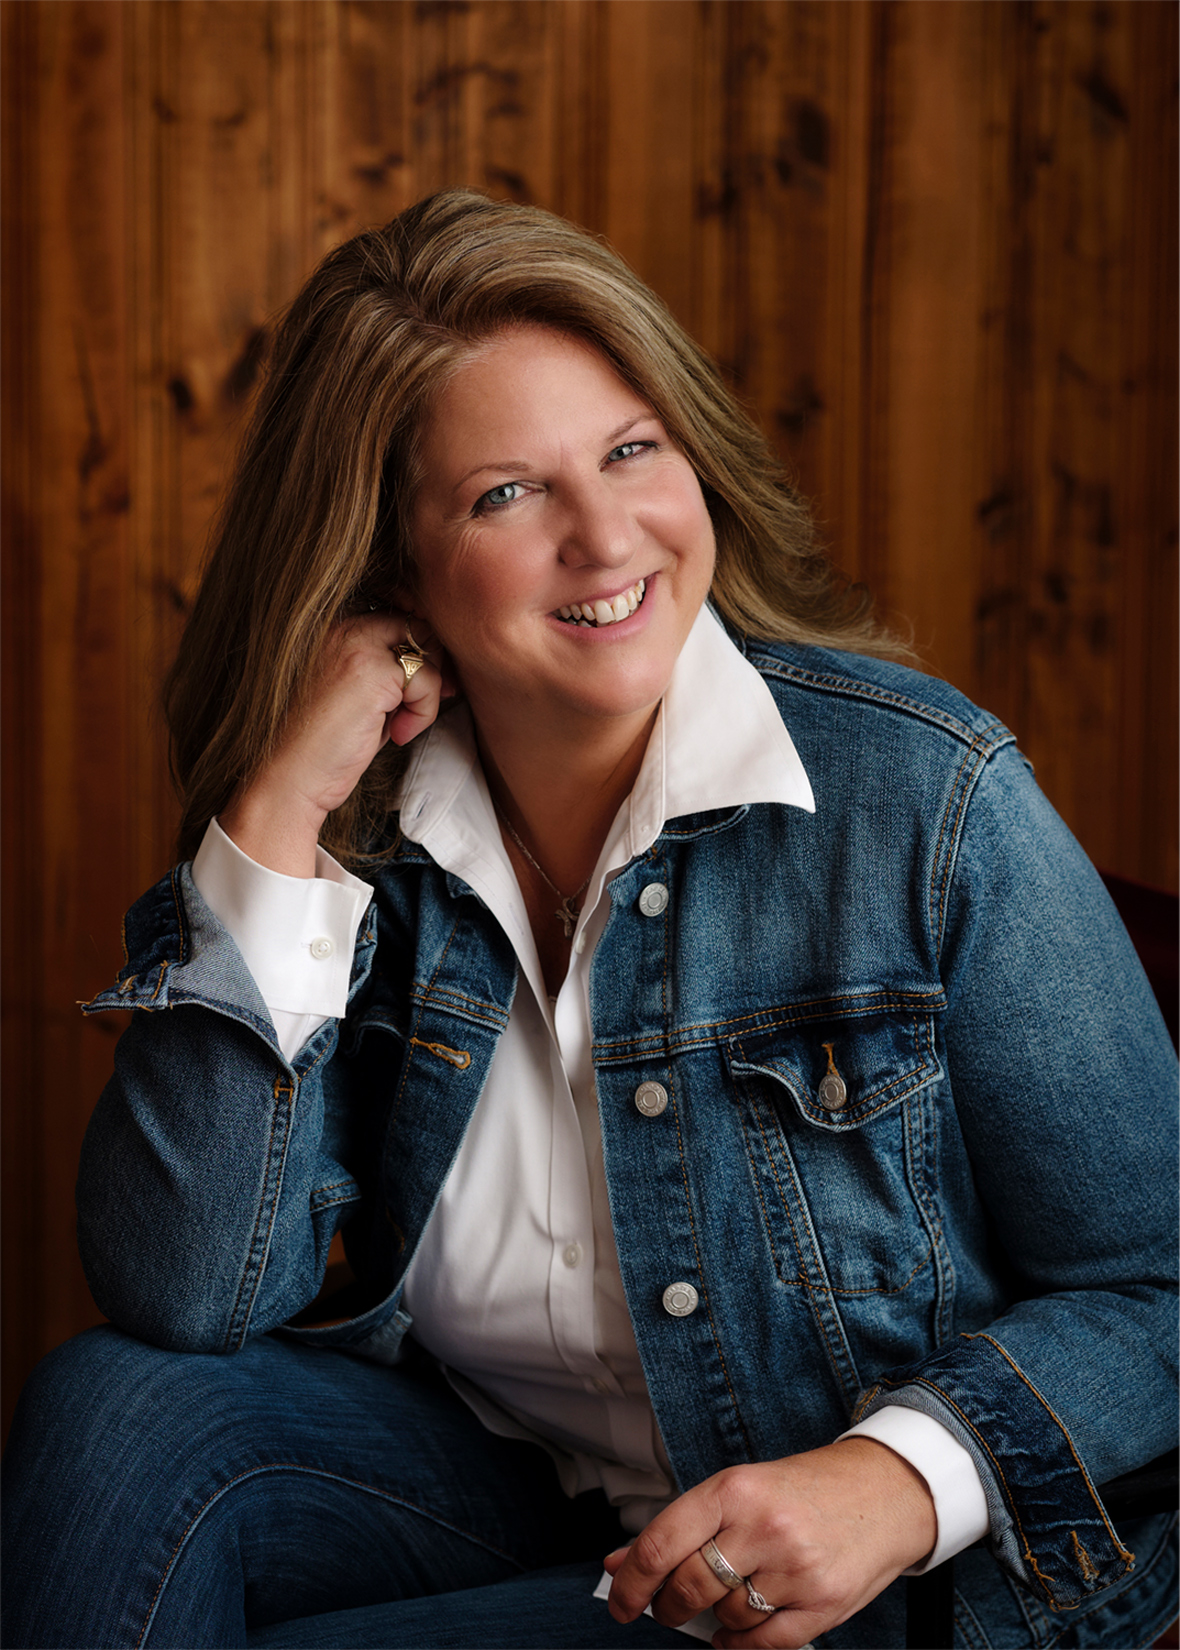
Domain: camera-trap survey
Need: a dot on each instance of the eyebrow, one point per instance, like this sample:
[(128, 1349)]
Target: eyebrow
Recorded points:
[(518, 466)]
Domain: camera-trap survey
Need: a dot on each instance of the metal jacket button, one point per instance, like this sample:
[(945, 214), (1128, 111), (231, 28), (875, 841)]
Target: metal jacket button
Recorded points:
[(680, 1299), (653, 899), (651, 1098), (833, 1096)]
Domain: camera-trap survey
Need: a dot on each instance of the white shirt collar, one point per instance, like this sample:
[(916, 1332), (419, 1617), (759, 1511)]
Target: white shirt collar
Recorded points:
[(718, 742)]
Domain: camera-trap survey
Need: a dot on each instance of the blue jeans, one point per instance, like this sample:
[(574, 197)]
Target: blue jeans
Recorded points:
[(286, 1496)]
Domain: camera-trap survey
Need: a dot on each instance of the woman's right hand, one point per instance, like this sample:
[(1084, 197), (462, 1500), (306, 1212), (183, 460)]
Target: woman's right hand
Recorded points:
[(360, 698)]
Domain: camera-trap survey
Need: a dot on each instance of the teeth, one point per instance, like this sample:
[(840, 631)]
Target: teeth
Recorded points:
[(592, 614)]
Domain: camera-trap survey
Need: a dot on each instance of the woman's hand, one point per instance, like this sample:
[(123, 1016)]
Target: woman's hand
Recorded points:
[(359, 699), (818, 1534)]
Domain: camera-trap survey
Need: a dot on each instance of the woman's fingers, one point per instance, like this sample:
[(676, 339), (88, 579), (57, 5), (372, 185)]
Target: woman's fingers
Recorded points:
[(656, 1554), (818, 1535)]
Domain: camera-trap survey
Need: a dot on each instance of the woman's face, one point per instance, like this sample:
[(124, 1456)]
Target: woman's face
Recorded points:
[(552, 489)]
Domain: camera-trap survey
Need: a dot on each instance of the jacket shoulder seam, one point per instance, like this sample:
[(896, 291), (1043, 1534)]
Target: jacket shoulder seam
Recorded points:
[(992, 736)]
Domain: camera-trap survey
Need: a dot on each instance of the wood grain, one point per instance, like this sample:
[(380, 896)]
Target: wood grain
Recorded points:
[(933, 246)]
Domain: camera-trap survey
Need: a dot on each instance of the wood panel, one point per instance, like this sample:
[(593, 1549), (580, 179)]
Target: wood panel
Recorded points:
[(933, 246)]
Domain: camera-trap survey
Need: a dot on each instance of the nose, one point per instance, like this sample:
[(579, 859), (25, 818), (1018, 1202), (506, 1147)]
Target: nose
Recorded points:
[(599, 529)]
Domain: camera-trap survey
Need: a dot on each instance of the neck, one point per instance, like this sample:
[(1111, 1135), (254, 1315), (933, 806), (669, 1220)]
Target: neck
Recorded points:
[(562, 794)]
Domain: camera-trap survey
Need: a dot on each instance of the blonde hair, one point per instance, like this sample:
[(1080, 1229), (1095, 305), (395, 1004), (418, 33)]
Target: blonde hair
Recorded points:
[(316, 517)]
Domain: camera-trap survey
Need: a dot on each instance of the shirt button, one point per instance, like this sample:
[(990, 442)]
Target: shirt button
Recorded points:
[(572, 1255), (833, 1096), (600, 1387), (680, 1299), (321, 948), (651, 1098), (653, 899)]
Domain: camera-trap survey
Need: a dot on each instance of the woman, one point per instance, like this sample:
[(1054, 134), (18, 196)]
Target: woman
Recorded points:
[(743, 1111)]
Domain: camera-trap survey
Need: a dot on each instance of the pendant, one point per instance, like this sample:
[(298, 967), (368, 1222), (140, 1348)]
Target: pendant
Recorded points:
[(567, 916)]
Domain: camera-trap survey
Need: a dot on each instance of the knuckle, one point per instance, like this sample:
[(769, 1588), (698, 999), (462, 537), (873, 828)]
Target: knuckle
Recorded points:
[(649, 1554), (686, 1593)]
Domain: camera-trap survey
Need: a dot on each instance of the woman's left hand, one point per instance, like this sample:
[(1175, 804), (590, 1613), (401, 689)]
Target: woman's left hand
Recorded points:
[(818, 1534)]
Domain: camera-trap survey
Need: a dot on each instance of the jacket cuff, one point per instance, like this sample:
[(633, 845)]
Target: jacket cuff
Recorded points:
[(1048, 1526)]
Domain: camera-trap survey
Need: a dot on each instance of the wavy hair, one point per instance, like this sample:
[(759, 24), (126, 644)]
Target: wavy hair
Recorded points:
[(316, 517)]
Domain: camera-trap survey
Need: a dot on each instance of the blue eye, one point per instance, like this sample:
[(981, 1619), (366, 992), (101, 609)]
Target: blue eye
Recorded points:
[(628, 449), (497, 497)]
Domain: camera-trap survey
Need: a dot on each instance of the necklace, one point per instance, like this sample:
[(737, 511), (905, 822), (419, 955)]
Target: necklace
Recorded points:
[(567, 911)]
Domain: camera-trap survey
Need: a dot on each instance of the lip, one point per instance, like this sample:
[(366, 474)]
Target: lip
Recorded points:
[(646, 579)]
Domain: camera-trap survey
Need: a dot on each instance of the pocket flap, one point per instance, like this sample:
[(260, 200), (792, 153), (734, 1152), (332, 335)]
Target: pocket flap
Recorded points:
[(843, 1060)]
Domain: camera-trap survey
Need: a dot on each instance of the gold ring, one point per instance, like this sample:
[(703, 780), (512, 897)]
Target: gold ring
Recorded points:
[(410, 660)]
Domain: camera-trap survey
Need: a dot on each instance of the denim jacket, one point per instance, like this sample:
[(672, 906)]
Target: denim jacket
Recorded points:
[(918, 1144)]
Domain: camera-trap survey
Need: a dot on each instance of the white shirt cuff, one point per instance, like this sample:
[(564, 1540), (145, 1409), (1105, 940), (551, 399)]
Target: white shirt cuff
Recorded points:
[(960, 1505), (296, 934)]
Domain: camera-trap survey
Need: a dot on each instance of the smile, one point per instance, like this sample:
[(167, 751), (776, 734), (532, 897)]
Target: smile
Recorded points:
[(595, 614)]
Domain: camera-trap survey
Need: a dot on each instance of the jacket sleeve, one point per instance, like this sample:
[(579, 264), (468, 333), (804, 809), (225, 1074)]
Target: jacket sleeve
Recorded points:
[(212, 1175), (1064, 1084)]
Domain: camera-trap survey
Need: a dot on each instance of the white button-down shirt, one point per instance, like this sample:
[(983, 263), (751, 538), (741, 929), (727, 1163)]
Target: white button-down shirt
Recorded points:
[(516, 1286)]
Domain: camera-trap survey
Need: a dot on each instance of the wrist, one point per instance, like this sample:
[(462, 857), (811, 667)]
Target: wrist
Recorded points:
[(277, 830), (907, 1494)]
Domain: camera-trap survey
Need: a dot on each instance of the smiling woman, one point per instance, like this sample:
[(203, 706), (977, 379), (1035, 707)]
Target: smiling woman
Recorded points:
[(669, 995)]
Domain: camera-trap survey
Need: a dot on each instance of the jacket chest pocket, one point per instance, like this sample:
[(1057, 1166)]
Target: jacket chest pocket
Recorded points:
[(838, 1118)]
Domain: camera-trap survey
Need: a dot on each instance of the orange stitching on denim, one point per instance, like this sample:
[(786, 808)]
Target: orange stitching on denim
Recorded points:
[(902, 1287), (944, 890), (811, 1288), (799, 1277), (176, 900), (429, 996), (696, 1245), (1085, 1563), (863, 1403), (401, 1089), (1122, 1551), (280, 1091), (775, 1019), (334, 1186), (457, 1057), (850, 688), (160, 981), (936, 858)]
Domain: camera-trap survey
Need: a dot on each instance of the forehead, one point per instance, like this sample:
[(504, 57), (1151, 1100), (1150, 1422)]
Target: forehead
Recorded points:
[(527, 380)]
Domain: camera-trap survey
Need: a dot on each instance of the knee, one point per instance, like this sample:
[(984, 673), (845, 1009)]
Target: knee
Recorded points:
[(103, 1400), (80, 1394)]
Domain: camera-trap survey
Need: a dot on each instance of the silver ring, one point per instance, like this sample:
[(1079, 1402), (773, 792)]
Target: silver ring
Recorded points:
[(721, 1567), (757, 1602)]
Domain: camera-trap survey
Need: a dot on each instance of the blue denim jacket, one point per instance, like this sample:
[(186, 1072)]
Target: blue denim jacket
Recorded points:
[(984, 1229)]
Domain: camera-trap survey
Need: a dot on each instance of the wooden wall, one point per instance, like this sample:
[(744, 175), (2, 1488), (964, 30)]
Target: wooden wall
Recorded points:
[(934, 246)]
